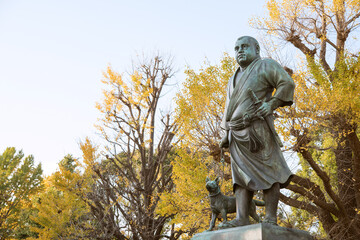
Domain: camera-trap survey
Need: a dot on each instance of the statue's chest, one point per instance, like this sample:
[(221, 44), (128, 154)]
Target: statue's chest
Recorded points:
[(254, 81), (237, 79)]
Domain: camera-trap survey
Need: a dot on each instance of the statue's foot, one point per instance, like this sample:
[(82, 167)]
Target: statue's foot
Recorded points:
[(232, 223), (271, 221)]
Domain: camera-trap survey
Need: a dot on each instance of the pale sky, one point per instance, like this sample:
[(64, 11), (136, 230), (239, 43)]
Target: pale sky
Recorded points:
[(52, 54)]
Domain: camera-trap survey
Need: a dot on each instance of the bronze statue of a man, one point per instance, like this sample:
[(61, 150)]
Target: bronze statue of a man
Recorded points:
[(256, 160)]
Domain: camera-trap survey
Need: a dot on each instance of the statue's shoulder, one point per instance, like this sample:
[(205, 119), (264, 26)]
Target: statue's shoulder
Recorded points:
[(270, 64), (269, 61)]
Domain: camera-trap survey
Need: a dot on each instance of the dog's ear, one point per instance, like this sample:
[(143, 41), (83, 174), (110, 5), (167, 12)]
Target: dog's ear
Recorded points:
[(217, 180), (207, 179)]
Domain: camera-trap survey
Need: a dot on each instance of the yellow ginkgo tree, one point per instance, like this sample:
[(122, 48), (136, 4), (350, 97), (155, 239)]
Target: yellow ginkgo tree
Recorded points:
[(322, 127), (199, 110), (135, 168), (62, 209), (20, 179)]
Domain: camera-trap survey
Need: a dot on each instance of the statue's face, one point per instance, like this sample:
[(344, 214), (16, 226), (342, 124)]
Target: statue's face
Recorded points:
[(245, 52)]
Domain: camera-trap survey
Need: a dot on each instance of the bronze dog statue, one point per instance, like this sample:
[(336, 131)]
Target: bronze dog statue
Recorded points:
[(220, 203)]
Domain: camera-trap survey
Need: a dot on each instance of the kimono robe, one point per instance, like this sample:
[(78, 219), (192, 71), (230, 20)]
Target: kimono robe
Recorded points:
[(256, 159)]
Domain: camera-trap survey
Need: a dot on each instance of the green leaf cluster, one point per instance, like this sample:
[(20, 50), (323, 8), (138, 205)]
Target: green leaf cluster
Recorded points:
[(20, 178)]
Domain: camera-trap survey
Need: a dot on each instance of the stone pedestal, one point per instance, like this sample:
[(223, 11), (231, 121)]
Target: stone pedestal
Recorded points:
[(261, 231)]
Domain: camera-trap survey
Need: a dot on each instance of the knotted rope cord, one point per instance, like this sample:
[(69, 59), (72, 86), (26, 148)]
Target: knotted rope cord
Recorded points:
[(222, 161)]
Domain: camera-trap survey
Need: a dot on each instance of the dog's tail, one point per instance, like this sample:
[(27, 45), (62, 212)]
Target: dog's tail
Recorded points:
[(259, 202)]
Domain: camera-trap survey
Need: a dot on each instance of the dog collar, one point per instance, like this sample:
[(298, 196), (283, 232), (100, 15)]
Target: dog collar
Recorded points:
[(215, 194)]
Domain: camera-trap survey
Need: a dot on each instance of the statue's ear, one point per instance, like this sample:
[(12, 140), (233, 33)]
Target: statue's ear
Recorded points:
[(217, 180), (207, 179)]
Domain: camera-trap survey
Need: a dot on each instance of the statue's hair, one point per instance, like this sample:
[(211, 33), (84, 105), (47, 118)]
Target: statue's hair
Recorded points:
[(252, 40)]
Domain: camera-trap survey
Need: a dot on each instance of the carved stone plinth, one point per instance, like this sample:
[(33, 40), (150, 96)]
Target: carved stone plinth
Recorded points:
[(261, 231)]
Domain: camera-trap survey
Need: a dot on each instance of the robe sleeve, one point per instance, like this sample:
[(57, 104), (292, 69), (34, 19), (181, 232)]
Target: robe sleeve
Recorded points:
[(278, 78), (224, 125)]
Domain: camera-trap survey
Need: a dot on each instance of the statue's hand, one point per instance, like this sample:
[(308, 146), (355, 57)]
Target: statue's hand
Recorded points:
[(224, 143), (264, 110)]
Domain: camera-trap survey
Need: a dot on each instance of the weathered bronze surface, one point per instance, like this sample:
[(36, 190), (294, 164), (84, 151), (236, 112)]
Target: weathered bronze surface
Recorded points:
[(221, 204), (257, 162), (261, 231)]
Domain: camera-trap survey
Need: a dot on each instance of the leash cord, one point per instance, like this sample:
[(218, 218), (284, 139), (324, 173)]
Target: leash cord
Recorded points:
[(222, 160)]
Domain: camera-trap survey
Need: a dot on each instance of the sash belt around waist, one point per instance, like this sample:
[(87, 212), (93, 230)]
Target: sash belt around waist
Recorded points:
[(240, 124), (255, 143)]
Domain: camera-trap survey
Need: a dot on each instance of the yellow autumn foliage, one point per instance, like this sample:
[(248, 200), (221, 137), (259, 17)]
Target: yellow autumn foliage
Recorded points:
[(61, 212), (322, 125), (200, 106), (281, 12), (319, 95), (127, 97)]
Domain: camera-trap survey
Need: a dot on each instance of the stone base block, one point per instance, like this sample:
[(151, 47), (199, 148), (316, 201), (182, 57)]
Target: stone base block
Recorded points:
[(261, 231)]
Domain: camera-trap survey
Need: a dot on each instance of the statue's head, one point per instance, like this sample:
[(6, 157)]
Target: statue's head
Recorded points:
[(247, 49)]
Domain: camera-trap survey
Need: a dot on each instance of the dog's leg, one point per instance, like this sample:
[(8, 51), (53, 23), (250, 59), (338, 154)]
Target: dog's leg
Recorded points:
[(224, 215), (212, 222)]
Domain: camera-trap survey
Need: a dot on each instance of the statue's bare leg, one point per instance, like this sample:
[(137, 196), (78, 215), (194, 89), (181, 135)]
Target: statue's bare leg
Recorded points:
[(271, 197), (243, 200)]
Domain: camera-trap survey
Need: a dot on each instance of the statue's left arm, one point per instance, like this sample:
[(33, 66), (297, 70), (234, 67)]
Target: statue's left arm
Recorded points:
[(279, 79)]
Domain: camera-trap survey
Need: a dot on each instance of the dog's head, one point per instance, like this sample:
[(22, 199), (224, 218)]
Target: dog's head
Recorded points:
[(212, 186)]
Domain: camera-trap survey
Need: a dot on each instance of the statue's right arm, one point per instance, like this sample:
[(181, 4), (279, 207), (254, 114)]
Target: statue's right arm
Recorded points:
[(224, 143)]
